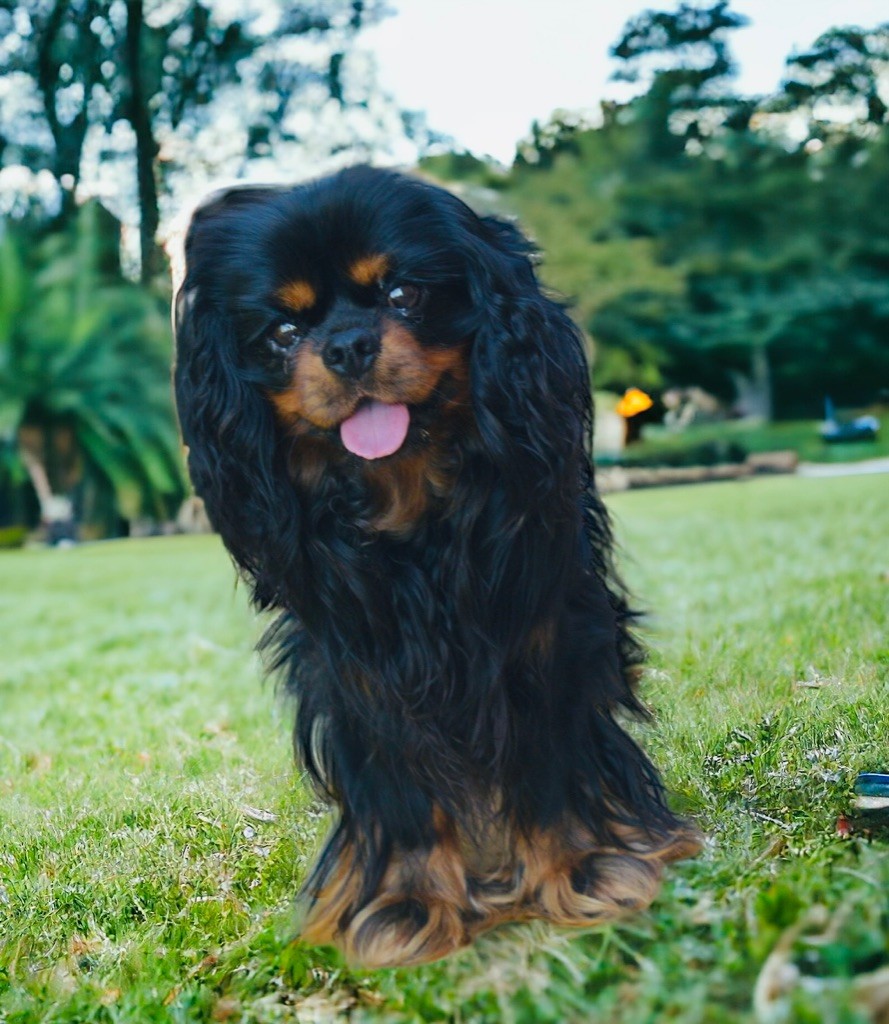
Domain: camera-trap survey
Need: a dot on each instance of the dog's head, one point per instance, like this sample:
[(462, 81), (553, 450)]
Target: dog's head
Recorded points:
[(365, 318)]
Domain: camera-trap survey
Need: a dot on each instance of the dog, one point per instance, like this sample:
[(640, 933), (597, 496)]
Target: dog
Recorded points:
[(390, 423)]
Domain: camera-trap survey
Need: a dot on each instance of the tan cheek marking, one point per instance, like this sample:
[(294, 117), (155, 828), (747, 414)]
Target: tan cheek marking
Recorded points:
[(298, 295), (369, 270), (407, 372), (314, 395)]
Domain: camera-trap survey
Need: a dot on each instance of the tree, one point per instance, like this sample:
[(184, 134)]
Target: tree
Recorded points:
[(783, 259), (685, 54), (63, 67), (85, 406), (163, 70), (751, 263), (844, 67)]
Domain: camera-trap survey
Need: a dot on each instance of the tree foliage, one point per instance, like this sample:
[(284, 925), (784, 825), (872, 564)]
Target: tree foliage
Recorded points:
[(686, 58), (84, 376), (711, 239), (844, 66), (144, 77)]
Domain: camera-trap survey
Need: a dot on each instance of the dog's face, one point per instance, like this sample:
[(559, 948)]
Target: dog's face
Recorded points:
[(361, 345), (351, 304), (370, 339)]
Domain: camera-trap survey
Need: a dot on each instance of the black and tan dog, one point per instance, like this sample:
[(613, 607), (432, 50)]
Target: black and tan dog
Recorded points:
[(389, 423)]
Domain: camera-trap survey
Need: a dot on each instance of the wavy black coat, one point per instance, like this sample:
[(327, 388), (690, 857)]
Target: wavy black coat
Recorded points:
[(487, 655)]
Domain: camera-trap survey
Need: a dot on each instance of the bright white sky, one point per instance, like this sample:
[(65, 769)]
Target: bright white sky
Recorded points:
[(484, 69)]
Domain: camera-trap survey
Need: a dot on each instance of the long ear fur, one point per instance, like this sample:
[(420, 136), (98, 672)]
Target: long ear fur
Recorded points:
[(235, 456), (532, 398), (530, 383)]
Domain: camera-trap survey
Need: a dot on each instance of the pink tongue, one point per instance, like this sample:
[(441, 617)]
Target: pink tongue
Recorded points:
[(376, 429)]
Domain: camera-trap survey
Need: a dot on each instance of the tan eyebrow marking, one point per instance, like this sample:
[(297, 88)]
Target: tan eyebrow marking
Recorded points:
[(369, 269), (298, 295)]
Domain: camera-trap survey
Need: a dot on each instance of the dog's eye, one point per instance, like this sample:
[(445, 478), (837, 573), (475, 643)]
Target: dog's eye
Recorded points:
[(404, 296), (285, 337)]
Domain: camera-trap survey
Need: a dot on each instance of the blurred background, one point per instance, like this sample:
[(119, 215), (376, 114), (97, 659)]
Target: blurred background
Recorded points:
[(707, 184)]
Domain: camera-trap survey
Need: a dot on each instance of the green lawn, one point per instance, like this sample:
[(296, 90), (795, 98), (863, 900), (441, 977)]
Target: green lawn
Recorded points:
[(153, 831), (732, 440)]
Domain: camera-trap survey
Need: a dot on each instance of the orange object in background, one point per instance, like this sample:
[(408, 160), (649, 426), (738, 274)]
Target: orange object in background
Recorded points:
[(633, 402)]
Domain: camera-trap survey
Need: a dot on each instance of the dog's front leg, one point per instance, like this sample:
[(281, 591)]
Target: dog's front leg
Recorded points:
[(388, 890)]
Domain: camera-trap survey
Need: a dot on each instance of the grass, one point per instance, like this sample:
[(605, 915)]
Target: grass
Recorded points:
[(153, 831), (733, 439)]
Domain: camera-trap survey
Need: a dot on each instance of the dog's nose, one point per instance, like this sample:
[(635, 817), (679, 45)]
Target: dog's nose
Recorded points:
[(351, 353)]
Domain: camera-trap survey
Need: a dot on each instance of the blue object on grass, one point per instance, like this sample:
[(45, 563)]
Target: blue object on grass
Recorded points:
[(862, 428), (872, 784)]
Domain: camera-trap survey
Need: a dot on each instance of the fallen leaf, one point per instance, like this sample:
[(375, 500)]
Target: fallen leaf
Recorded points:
[(80, 946)]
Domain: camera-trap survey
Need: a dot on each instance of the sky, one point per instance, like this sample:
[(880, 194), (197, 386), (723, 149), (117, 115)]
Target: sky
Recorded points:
[(483, 70)]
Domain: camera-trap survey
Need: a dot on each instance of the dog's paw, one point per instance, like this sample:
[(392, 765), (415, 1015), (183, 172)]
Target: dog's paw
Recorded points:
[(403, 933), (596, 889)]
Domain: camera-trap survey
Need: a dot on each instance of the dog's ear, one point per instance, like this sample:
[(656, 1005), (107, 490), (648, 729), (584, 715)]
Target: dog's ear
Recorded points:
[(532, 398), (529, 376), (235, 457)]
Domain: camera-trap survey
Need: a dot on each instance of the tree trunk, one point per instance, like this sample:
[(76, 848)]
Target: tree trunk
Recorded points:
[(753, 392), (761, 372), (54, 508), (68, 133), (48, 84), (146, 145)]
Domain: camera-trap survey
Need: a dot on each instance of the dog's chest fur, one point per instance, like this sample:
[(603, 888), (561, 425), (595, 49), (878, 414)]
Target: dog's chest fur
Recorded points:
[(391, 497)]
